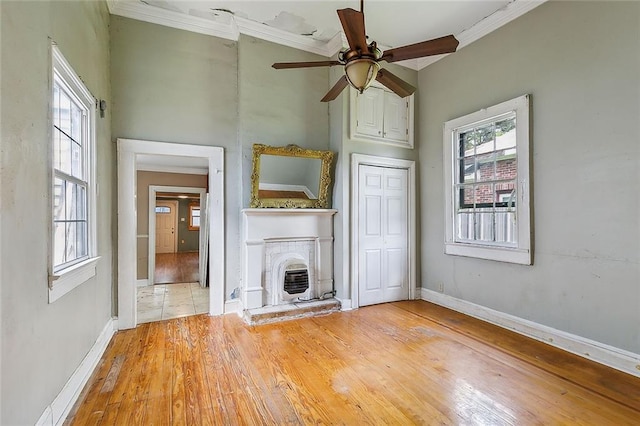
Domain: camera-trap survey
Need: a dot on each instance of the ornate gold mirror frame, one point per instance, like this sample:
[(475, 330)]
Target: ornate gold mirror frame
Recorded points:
[(322, 202)]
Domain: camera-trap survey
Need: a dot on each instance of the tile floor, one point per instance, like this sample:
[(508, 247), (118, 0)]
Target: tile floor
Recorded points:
[(166, 301)]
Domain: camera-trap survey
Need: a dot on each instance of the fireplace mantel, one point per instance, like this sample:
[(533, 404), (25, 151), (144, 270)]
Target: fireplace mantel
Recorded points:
[(263, 227)]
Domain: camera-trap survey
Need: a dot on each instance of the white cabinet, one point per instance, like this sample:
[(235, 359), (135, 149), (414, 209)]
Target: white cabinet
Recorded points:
[(382, 116)]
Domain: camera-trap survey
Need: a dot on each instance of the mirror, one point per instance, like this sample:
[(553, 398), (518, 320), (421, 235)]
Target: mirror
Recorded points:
[(290, 177)]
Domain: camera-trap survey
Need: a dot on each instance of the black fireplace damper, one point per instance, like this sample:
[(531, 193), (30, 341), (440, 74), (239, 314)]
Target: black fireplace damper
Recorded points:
[(296, 281)]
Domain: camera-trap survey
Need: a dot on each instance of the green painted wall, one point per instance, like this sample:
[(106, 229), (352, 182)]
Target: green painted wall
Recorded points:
[(41, 343), (580, 61)]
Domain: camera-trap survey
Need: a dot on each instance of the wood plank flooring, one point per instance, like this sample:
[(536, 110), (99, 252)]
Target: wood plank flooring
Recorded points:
[(399, 363), (174, 268)]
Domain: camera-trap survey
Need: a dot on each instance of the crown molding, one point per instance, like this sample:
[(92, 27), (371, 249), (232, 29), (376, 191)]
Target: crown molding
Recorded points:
[(237, 25), (501, 17), (156, 15), (231, 31), (285, 38)]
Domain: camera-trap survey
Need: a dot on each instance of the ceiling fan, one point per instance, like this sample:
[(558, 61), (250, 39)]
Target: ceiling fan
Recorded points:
[(361, 61)]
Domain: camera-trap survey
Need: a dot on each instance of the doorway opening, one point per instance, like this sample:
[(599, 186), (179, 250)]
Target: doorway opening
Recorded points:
[(171, 158)]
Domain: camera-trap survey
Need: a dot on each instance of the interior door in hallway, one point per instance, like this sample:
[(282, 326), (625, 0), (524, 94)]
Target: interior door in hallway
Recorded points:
[(166, 226), (383, 255)]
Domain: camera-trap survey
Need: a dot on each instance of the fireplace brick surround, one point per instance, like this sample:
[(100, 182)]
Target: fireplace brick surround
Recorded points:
[(271, 237)]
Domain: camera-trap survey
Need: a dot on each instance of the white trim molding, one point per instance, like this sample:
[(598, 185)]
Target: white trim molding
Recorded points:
[(71, 278), (230, 29), (233, 306), (57, 411), (127, 151), (345, 304), (351, 258), (625, 361), (519, 249), (232, 26)]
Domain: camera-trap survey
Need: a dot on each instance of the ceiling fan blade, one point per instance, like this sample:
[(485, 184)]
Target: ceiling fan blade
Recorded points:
[(353, 25), (285, 65), (437, 46), (395, 83), (336, 89)]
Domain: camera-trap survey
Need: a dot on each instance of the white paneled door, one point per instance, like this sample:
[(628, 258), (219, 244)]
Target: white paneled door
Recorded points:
[(166, 226), (383, 255)]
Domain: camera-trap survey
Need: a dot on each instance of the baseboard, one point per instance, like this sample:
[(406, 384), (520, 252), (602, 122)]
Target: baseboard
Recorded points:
[(233, 306), (610, 356), (346, 304), (56, 413), (142, 283)]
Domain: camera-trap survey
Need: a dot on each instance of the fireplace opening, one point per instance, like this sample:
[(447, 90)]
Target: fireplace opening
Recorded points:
[(296, 279)]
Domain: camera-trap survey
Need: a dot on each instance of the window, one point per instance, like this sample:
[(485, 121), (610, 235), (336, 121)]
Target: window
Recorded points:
[(486, 162), (163, 209), (73, 188), (194, 217)]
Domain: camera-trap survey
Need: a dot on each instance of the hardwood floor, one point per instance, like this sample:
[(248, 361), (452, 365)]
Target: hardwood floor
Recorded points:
[(174, 268), (399, 363)]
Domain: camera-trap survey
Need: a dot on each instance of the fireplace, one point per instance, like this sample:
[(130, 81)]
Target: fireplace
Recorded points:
[(288, 256)]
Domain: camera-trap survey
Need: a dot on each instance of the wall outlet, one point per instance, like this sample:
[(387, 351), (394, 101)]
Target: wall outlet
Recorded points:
[(182, 241), (440, 286)]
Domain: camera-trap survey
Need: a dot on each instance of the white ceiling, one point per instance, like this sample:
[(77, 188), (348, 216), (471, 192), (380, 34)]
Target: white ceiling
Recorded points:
[(313, 25)]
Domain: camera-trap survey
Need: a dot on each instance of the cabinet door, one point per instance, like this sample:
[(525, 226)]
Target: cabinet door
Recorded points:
[(370, 110), (396, 123)]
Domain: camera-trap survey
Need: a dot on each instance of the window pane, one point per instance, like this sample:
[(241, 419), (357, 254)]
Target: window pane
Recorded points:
[(71, 241), (59, 205), (484, 195), (65, 113), (163, 209), (195, 212), (465, 196), (72, 200), (65, 154), (464, 226), (76, 160), (196, 221), (56, 106), (506, 193), (484, 139), (468, 173), (81, 239), (56, 148), (506, 168), (485, 164), (81, 204), (467, 143), (58, 243), (76, 123), (505, 227), (506, 133), (484, 226)]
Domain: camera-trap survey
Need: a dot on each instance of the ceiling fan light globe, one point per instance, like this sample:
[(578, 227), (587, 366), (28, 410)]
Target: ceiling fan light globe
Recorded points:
[(361, 72)]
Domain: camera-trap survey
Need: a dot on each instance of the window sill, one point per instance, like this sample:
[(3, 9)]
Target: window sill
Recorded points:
[(70, 278), (500, 254)]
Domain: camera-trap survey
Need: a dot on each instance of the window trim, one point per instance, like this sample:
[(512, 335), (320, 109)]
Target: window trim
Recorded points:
[(521, 253), (193, 227), (64, 280)]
